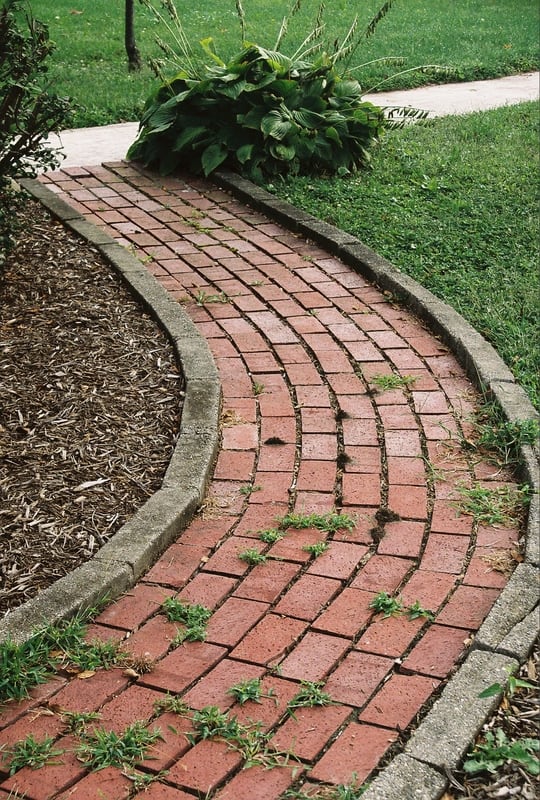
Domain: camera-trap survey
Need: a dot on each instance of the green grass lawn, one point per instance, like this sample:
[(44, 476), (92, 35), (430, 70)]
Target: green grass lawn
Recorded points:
[(453, 204), (472, 39)]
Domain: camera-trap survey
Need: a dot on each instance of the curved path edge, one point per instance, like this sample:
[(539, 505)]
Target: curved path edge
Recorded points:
[(139, 542), (441, 740), (508, 633)]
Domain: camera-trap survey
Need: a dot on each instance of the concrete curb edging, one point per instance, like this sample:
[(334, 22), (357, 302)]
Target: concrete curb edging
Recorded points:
[(138, 543), (508, 633)]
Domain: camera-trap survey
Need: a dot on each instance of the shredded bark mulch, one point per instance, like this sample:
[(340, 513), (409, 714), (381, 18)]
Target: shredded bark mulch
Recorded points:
[(90, 406)]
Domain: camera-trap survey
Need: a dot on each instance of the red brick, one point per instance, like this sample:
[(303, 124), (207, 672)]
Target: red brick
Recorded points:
[(402, 538), (290, 548), (41, 784), (347, 614), (360, 432), (308, 732), (278, 457), (382, 574), (445, 553), (136, 703), (13, 710), (212, 689), (226, 558), (89, 694), (205, 766), (361, 490), (183, 666), (260, 517), (267, 581), (274, 487), (357, 677), (176, 565), (480, 571), (41, 724), (363, 459), (397, 418), (235, 465), (269, 640), (175, 732), (410, 502), (206, 532), (107, 784), (319, 447), (153, 639), (408, 471), (468, 607), (207, 589), (497, 538), (318, 476), (161, 791), (403, 443), (339, 561), (134, 608), (446, 519), (353, 755), (307, 596), (313, 657), (390, 636), (276, 693), (101, 633), (243, 436), (233, 619), (260, 783), (430, 589), (317, 421), (437, 652), (399, 700)]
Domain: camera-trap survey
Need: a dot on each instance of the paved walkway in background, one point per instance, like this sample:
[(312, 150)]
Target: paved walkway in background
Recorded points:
[(303, 345)]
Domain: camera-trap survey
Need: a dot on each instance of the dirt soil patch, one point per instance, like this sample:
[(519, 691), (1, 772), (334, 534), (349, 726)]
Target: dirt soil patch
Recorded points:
[(90, 406)]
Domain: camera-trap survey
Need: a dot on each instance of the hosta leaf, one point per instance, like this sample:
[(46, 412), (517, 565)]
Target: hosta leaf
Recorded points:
[(308, 119), (233, 90), (283, 152), (187, 135), (212, 157), (244, 153), (273, 125)]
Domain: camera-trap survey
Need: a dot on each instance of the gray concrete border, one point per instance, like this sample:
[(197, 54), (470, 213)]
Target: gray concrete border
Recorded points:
[(508, 633), (136, 546)]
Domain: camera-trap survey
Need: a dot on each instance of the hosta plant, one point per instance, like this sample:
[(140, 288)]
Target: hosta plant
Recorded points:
[(262, 112)]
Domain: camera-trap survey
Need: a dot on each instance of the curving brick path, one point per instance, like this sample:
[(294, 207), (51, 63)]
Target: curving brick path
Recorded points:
[(300, 341)]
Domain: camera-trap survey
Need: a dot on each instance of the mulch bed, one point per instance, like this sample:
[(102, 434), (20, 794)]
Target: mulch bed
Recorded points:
[(90, 406)]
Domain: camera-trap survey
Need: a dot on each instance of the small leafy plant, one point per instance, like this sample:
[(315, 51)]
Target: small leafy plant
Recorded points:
[(31, 752), (252, 556), (108, 749), (271, 536), (193, 616), (316, 549), (503, 437), (328, 523), (210, 721), (262, 112), (416, 611), (386, 605), (500, 505), (311, 694), (496, 749), (388, 382), (249, 690)]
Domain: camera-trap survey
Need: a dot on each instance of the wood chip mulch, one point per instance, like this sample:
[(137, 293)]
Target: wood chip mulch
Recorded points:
[(90, 406)]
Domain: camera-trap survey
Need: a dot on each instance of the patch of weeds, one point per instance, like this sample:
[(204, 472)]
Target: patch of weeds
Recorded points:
[(252, 556), (496, 749), (108, 749), (193, 616), (22, 666), (173, 704), (417, 612), (311, 694), (77, 721), (89, 656), (386, 605), (142, 780), (328, 523), (386, 383), (503, 437), (33, 753), (202, 298), (512, 685), (249, 690), (258, 388), (247, 491), (210, 721), (316, 549), (500, 505), (271, 536)]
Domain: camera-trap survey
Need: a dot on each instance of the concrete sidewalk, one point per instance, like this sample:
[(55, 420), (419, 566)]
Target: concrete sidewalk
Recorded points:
[(90, 146)]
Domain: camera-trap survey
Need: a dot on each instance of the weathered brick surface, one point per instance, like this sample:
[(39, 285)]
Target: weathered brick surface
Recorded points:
[(297, 348)]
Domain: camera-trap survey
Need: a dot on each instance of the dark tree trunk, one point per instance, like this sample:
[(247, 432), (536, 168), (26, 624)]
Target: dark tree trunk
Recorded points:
[(134, 57)]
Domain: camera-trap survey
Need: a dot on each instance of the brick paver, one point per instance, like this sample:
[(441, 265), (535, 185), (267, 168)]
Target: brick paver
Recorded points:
[(299, 340)]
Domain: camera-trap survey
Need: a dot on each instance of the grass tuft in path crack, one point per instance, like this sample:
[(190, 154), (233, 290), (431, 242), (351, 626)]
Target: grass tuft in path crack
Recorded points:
[(271, 536), (309, 695), (386, 383), (252, 556), (316, 549), (105, 748), (249, 690), (504, 438), (192, 616), (31, 752), (500, 505), (389, 606), (328, 523)]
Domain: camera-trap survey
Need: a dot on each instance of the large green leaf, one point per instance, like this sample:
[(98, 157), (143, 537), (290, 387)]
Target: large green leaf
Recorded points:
[(274, 125), (244, 153), (308, 119), (214, 155)]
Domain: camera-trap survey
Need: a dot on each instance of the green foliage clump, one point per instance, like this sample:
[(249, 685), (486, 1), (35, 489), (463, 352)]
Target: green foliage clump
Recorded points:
[(261, 112), (28, 110)]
